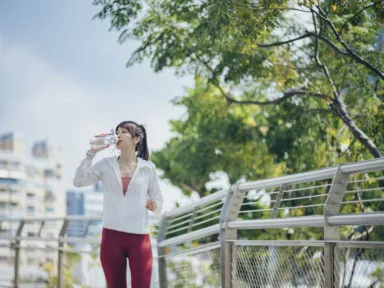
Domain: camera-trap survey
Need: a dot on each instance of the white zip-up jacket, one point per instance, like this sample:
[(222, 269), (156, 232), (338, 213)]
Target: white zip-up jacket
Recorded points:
[(122, 213)]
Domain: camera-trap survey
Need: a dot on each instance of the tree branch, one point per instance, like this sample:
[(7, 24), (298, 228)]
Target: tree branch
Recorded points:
[(256, 7), (317, 39), (284, 42), (306, 35), (363, 9), (277, 101), (317, 58), (338, 106), (350, 53), (330, 43)]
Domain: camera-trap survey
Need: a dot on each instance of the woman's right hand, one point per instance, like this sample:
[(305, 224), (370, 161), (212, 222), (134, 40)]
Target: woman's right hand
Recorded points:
[(100, 148)]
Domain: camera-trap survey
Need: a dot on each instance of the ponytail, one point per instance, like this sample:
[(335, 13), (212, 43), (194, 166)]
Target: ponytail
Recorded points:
[(143, 145)]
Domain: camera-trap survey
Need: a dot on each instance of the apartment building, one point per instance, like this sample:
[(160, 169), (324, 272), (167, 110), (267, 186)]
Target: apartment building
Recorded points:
[(30, 186)]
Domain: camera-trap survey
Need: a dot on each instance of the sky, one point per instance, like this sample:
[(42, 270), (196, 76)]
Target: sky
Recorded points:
[(63, 78)]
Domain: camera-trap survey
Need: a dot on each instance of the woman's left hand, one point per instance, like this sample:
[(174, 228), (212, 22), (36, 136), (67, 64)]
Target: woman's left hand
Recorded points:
[(151, 205)]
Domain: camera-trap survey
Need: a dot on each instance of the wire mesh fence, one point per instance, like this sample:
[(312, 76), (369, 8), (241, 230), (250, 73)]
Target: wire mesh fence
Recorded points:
[(278, 266), (256, 266), (359, 267), (195, 269)]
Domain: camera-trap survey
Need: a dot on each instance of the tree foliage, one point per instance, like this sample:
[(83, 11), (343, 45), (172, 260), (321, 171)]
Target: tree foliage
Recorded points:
[(272, 52), (281, 86)]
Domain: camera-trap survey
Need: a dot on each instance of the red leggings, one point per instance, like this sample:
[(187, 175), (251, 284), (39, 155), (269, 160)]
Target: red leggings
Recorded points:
[(115, 248)]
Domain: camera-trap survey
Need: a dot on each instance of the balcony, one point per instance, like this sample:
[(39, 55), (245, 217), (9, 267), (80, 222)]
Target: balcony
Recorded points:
[(12, 174)]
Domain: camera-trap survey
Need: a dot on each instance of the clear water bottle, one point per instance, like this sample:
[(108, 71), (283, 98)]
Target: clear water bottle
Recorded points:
[(101, 141)]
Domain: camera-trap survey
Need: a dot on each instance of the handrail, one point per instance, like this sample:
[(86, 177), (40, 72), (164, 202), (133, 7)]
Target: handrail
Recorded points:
[(310, 221), (315, 175), (294, 179), (152, 217), (232, 203), (199, 203), (190, 236), (326, 208), (321, 174)]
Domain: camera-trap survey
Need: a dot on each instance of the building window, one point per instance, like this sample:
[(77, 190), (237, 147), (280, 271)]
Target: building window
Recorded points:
[(49, 196), (3, 164), (9, 181), (32, 171), (3, 258), (49, 173), (31, 209)]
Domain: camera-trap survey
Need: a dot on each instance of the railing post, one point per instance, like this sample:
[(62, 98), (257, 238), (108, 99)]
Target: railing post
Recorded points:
[(331, 233), (60, 260), (17, 254), (277, 204), (191, 222), (230, 210), (85, 232), (161, 252), (274, 214), (41, 228)]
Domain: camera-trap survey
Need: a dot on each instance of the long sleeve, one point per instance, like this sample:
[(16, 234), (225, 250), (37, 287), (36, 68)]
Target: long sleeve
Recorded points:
[(88, 174), (154, 190)]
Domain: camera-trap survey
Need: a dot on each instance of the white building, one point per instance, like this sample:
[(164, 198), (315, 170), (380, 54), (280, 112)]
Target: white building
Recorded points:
[(30, 185)]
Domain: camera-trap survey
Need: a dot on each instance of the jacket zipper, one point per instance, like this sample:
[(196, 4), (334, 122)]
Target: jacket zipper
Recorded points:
[(121, 215), (122, 204)]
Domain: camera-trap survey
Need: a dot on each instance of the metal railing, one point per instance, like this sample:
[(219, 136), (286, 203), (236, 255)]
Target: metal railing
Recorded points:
[(256, 234), (215, 242), (55, 244)]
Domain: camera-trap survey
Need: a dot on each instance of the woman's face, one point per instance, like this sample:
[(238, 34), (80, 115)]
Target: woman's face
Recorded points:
[(125, 139)]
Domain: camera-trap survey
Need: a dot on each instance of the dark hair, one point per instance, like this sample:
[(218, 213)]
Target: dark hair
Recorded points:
[(137, 130)]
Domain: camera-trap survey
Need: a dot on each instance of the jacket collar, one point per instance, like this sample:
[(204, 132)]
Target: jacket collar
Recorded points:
[(141, 163)]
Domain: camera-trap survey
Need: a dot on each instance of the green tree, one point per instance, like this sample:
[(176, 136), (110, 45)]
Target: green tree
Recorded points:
[(251, 143), (313, 59), (213, 138)]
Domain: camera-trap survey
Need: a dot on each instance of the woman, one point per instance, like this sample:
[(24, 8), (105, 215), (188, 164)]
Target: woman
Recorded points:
[(131, 188)]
